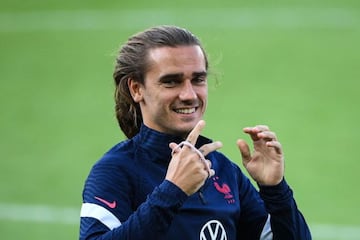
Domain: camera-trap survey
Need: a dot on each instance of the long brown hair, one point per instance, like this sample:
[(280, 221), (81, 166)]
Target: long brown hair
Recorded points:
[(131, 63)]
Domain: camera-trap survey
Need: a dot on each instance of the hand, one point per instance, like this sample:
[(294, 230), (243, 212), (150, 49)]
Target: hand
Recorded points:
[(186, 169), (266, 164)]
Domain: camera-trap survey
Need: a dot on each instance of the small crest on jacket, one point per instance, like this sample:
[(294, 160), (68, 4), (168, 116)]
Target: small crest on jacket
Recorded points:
[(224, 189)]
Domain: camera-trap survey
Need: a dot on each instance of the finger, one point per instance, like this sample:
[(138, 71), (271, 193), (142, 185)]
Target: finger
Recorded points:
[(211, 173), (209, 164), (194, 134), (173, 145), (267, 135), (257, 128), (261, 128), (276, 145), (208, 148), (207, 167), (174, 148), (253, 131), (244, 150)]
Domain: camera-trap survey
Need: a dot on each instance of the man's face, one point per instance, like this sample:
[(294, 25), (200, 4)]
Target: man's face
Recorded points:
[(174, 96)]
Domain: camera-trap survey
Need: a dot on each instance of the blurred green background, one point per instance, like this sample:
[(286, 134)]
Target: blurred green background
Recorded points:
[(293, 65)]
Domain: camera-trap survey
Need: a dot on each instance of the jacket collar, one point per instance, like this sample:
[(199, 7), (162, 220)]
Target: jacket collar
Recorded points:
[(156, 144)]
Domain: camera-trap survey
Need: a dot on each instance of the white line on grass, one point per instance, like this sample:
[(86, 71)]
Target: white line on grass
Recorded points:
[(84, 20), (330, 232), (60, 215), (39, 213)]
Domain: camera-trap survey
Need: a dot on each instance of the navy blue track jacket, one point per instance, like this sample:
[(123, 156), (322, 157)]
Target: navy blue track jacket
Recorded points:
[(126, 197)]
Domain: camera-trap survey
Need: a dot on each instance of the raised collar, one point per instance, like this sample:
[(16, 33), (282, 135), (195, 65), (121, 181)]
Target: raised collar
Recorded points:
[(156, 144)]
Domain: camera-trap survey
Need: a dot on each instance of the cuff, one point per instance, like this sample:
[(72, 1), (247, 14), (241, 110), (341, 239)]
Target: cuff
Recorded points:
[(276, 194), (170, 195)]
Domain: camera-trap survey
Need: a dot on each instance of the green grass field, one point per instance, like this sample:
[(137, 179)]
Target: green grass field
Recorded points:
[(294, 66)]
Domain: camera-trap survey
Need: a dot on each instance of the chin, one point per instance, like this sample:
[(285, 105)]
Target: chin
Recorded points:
[(186, 129)]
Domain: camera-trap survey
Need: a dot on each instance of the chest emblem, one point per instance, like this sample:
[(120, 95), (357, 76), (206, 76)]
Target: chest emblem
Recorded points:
[(224, 189), (213, 230)]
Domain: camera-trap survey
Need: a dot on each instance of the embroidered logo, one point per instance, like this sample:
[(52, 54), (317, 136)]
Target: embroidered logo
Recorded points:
[(111, 205), (213, 230), (224, 189)]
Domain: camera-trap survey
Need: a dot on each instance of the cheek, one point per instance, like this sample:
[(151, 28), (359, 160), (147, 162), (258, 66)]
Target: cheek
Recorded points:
[(203, 97), (158, 100)]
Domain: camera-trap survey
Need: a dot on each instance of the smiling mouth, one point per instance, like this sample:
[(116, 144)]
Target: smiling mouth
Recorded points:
[(185, 110)]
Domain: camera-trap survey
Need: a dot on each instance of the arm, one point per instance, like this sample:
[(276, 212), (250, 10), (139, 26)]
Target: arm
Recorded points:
[(266, 166), (286, 220), (119, 221)]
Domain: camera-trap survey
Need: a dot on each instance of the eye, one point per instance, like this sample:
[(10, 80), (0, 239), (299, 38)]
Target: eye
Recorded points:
[(199, 80), (170, 82)]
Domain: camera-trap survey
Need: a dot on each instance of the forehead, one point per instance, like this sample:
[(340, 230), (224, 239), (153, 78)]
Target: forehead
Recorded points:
[(184, 59)]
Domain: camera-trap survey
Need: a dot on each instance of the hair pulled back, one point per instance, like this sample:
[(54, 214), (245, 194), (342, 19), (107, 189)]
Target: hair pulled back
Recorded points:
[(131, 63)]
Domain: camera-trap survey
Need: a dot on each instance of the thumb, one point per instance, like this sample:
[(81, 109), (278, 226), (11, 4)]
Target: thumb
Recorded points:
[(244, 150)]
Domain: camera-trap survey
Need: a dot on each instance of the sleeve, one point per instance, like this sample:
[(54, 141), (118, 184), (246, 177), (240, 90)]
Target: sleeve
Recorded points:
[(108, 207), (286, 220), (270, 213), (253, 214)]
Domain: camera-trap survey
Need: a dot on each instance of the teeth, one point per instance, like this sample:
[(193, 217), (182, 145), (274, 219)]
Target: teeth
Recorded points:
[(185, 110)]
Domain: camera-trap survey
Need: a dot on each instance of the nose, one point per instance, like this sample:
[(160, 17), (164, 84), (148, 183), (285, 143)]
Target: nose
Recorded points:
[(187, 91)]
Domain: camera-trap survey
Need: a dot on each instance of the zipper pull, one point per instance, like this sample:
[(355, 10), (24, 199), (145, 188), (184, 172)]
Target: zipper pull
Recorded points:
[(202, 198)]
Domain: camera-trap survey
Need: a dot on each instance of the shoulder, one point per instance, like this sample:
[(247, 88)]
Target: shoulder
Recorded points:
[(119, 154), (114, 169), (115, 162)]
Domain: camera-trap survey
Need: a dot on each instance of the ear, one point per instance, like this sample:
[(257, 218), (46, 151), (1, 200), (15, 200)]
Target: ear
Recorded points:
[(135, 89)]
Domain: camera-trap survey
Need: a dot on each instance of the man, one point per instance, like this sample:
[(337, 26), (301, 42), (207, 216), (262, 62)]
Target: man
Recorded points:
[(169, 182)]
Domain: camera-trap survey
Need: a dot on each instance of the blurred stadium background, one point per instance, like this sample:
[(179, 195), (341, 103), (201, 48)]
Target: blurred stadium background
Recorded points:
[(293, 65)]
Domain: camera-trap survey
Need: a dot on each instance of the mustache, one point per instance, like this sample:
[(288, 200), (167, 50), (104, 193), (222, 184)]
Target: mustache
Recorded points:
[(188, 103)]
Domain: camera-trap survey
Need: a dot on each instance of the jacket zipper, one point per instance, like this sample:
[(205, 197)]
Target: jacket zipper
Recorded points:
[(202, 198), (201, 192)]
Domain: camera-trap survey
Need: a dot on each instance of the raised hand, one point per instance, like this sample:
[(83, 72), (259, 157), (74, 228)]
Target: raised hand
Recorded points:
[(266, 164), (186, 169)]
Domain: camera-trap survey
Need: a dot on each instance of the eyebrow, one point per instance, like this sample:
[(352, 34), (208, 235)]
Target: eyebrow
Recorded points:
[(199, 74), (181, 75)]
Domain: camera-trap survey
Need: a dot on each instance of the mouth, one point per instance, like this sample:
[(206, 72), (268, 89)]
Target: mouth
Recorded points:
[(185, 110)]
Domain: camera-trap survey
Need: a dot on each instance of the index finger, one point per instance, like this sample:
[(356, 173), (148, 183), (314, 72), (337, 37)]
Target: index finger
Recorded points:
[(194, 134), (253, 131)]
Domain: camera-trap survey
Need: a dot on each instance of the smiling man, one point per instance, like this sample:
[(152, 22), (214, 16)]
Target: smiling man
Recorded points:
[(174, 93), (167, 181)]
